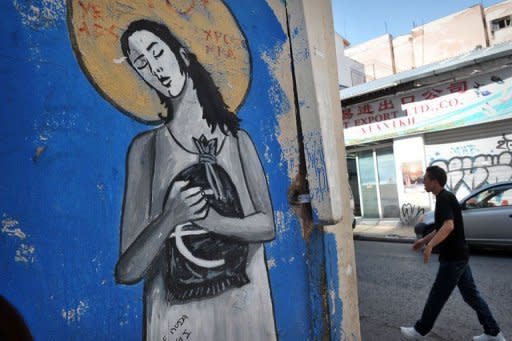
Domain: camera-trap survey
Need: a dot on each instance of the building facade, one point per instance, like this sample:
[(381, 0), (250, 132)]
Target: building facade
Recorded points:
[(456, 114), (472, 28), (350, 72)]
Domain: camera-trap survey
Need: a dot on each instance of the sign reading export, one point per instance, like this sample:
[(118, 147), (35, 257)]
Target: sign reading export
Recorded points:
[(454, 104)]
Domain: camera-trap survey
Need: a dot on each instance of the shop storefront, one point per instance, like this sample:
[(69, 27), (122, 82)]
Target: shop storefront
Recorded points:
[(461, 121), (373, 181)]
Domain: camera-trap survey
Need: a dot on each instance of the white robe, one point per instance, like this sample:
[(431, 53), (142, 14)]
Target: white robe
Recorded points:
[(244, 313)]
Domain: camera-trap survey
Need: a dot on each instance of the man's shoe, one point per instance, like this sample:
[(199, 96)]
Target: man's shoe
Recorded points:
[(410, 333), (486, 337)]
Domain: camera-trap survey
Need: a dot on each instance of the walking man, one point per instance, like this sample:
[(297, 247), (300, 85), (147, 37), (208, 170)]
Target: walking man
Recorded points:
[(453, 269)]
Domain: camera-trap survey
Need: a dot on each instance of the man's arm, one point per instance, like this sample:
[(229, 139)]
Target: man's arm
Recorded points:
[(422, 241), (438, 238), (441, 235)]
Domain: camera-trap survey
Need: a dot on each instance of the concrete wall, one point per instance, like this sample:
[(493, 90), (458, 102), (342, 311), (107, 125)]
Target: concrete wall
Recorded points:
[(500, 10), (449, 36), (65, 135), (324, 153), (404, 53), (376, 55)]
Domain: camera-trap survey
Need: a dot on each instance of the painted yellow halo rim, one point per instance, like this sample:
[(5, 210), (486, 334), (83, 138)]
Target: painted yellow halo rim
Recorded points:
[(206, 28)]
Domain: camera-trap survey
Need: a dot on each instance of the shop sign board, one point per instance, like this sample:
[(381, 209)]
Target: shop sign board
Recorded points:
[(458, 103)]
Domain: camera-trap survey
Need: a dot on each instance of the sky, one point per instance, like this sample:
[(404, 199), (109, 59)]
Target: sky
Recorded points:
[(362, 20)]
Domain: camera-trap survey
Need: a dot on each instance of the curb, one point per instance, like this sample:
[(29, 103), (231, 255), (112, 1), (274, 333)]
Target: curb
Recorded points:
[(390, 238)]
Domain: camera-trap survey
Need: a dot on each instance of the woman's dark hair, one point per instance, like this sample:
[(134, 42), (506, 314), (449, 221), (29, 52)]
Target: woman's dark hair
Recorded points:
[(215, 110), (437, 173)]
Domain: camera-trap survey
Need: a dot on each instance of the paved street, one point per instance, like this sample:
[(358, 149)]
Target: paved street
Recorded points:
[(393, 285)]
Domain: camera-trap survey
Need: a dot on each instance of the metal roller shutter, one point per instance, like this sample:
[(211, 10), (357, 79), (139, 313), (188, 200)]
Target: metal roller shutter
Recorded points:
[(479, 131)]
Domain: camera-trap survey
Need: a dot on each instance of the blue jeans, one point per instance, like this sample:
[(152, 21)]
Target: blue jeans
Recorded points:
[(449, 275)]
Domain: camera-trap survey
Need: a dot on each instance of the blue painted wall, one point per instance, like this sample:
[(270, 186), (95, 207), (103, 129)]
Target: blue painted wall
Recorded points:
[(63, 148)]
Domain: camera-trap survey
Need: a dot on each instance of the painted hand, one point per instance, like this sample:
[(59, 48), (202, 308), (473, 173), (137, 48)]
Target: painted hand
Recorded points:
[(186, 204)]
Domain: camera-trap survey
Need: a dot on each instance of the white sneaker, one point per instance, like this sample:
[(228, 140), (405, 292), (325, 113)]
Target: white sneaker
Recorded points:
[(486, 337), (410, 333)]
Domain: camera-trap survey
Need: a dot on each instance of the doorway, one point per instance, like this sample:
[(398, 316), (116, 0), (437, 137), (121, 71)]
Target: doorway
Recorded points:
[(372, 177)]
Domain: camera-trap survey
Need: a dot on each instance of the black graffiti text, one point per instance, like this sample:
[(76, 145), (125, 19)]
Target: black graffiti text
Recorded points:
[(410, 213), (185, 335), (178, 331), (179, 323), (505, 144), (467, 173)]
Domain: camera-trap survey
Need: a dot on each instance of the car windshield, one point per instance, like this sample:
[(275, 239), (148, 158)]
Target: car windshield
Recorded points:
[(492, 197)]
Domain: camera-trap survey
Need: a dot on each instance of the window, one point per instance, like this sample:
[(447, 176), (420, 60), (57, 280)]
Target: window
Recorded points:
[(357, 77), (498, 24), (492, 197)]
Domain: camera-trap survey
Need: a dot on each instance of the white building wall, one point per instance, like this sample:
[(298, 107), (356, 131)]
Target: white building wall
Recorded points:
[(434, 41), (404, 53), (376, 55), (495, 13), (449, 36), (350, 72)]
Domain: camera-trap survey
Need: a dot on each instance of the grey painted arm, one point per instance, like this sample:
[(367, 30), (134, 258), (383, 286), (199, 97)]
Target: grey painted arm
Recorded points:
[(141, 239), (143, 235)]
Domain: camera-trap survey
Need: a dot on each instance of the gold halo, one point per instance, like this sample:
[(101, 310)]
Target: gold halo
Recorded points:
[(207, 28)]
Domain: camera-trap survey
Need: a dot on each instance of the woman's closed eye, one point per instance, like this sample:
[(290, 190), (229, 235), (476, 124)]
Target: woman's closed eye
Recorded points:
[(141, 62), (158, 54)]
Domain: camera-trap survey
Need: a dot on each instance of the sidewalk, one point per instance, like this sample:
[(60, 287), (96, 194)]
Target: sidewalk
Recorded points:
[(388, 230)]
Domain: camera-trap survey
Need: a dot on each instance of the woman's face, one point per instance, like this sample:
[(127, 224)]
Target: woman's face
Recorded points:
[(156, 63)]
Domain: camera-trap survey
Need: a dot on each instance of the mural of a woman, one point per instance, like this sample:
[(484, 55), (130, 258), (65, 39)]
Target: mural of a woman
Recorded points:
[(196, 208), (208, 207)]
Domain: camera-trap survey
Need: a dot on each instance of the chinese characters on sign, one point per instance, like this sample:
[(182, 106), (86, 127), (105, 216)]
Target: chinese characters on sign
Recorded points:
[(427, 101), (442, 106)]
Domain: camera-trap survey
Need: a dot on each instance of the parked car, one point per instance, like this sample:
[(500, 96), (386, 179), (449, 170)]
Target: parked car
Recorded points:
[(487, 215)]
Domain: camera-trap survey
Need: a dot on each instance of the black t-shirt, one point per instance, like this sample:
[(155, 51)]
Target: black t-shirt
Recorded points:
[(454, 247)]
